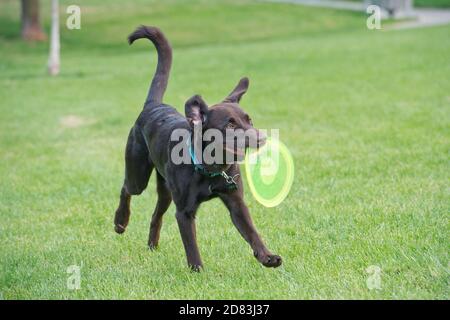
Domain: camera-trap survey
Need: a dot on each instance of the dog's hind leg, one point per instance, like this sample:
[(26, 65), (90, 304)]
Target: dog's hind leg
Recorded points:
[(122, 215), (164, 200), (138, 168)]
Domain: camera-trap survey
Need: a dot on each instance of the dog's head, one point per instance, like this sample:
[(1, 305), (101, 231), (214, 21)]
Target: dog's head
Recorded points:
[(228, 119)]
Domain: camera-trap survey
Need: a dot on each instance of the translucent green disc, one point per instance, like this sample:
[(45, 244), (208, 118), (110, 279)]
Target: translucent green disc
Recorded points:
[(270, 172)]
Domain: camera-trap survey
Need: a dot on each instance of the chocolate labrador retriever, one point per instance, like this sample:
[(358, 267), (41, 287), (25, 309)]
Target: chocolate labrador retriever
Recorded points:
[(150, 145)]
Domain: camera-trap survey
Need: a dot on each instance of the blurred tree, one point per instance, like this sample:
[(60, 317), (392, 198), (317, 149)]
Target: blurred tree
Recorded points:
[(53, 59), (31, 26)]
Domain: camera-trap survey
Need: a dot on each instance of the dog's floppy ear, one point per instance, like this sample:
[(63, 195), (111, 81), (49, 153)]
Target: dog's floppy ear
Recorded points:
[(237, 93), (196, 110)]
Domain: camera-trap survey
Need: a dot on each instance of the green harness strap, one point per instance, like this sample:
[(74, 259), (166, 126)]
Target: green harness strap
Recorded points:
[(230, 180)]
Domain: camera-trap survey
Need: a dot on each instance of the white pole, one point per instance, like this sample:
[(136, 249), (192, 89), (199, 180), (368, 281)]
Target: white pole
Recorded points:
[(53, 60)]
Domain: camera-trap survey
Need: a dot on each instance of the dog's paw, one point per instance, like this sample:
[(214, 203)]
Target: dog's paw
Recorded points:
[(152, 246), (196, 268), (119, 228), (270, 260)]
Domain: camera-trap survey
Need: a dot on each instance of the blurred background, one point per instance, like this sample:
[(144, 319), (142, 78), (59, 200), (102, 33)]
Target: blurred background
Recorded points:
[(364, 112)]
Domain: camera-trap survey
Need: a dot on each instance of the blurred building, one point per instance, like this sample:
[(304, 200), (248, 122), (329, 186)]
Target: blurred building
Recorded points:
[(394, 8)]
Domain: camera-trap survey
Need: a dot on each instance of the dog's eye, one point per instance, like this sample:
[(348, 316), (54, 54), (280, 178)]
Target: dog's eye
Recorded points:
[(230, 125), (249, 120)]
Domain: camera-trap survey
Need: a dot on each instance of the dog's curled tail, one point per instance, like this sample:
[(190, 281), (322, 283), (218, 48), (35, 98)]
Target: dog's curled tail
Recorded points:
[(161, 77)]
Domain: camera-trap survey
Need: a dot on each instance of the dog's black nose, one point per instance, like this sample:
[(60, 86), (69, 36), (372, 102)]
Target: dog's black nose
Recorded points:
[(261, 138)]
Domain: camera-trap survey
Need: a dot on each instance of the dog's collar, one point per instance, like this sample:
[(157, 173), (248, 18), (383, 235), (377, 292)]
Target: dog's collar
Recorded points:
[(230, 180)]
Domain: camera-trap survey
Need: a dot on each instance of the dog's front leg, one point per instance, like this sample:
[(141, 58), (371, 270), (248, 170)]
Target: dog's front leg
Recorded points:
[(243, 222), (186, 224)]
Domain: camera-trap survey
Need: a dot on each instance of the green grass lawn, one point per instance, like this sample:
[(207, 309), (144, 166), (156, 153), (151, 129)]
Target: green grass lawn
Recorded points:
[(432, 3), (365, 114)]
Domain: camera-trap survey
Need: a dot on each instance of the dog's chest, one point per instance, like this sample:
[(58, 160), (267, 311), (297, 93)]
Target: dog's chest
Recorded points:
[(212, 187)]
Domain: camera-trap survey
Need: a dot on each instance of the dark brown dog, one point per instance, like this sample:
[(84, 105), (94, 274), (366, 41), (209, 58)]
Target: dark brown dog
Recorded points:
[(188, 185)]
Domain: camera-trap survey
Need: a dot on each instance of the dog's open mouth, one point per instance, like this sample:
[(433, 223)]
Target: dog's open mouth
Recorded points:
[(240, 152), (261, 141)]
